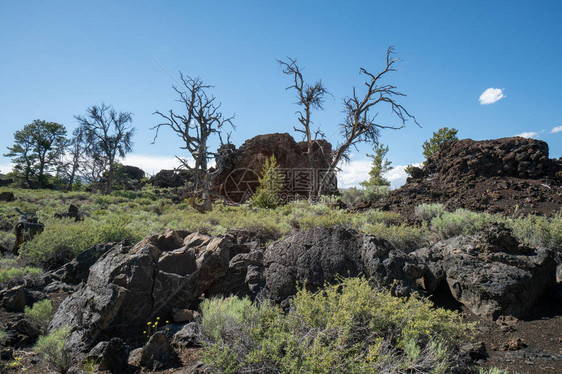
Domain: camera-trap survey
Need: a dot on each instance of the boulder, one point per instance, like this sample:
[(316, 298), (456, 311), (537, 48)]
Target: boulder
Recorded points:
[(131, 285), (188, 336), (15, 299), (490, 273), (111, 355), (77, 270), (316, 256), (171, 178), (7, 196), (22, 331), (184, 315), (158, 354), (72, 212)]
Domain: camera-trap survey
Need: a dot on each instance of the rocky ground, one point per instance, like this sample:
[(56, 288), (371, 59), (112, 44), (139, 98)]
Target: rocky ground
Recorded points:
[(508, 287), (513, 291)]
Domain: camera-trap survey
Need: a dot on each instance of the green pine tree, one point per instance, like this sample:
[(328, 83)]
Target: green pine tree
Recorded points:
[(379, 166), (432, 146), (267, 195)]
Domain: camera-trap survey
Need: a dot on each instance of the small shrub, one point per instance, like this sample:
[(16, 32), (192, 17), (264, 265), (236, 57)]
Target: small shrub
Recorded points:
[(539, 231), (493, 370), (346, 328), (222, 315), (52, 349), (352, 196), (63, 238), (3, 336), (9, 269), (460, 222), (426, 212), (376, 193), (41, 312), (402, 237)]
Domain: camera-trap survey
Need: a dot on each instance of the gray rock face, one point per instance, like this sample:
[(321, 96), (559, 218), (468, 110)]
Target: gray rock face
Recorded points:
[(111, 355), (15, 299), (490, 273), (158, 354), (129, 286), (320, 255), (188, 336), (77, 270)]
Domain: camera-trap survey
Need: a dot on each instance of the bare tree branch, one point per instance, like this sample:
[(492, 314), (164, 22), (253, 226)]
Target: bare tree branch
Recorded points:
[(202, 120)]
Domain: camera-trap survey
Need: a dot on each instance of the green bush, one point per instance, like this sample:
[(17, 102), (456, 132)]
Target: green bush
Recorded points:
[(52, 349), (459, 222), (41, 312), (345, 328), (267, 194), (353, 196), (405, 237), (222, 314), (3, 336), (63, 239), (539, 231), (426, 212), (9, 269)]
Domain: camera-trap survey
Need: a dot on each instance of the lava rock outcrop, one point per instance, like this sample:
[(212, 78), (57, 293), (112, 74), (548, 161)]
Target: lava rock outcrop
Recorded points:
[(512, 176), (239, 177)]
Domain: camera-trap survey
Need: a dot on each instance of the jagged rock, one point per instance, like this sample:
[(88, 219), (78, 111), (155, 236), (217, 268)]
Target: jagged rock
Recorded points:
[(4, 182), (27, 227), (72, 212), (188, 336), (15, 299), (514, 344), (239, 177), (320, 255), (476, 351), (508, 175), (125, 177), (77, 270), (22, 331), (490, 273), (111, 355), (7, 196), (158, 354), (57, 286), (129, 286), (171, 178)]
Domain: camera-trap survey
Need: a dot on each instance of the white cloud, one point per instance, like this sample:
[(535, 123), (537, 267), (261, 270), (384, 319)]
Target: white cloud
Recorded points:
[(491, 95), (528, 134), (556, 129), (151, 164), (5, 168), (357, 171), (353, 173), (397, 176)]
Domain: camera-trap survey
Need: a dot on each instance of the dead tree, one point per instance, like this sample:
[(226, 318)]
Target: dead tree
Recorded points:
[(310, 97), (360, 123), (201, 121)]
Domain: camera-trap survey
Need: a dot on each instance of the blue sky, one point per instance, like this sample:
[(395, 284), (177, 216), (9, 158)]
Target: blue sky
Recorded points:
[(57, 58)]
